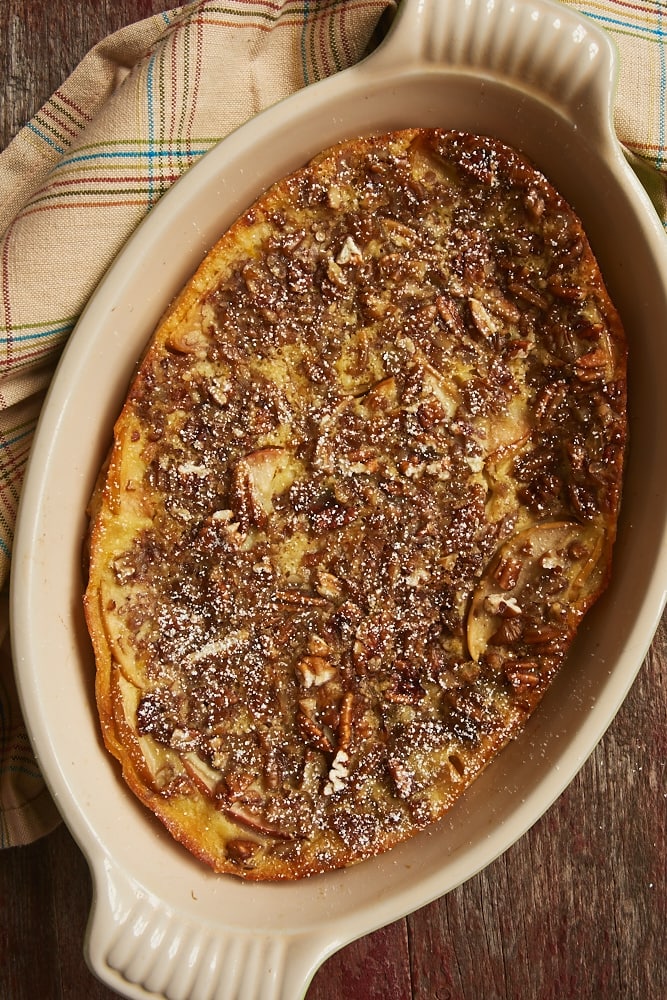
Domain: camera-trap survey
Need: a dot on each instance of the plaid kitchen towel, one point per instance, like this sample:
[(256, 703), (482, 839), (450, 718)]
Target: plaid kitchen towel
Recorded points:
[(639, 30), (140, 109)]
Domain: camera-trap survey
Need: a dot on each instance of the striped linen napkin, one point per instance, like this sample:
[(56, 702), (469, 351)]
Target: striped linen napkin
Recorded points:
[(141, 108)]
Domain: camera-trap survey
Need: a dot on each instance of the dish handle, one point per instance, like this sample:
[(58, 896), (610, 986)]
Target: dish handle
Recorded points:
[(545, 48), (142, 947)]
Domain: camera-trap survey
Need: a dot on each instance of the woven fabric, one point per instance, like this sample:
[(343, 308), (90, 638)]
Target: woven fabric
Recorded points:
[(140, 110), (639, 31)]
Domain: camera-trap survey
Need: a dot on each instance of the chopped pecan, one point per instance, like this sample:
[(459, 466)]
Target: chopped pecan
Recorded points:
[(318, 646), (338, 773), (403, 777), (253, 278), (507, 633), (189, 340), (363, 657), (529, 294), (399, 234), (535, 203), (430, 413), (544, 633), (245, 501), (382, 394), (549, 400), (328, 585), (405, 691), (507, 572), (327, 513), (517, 348), (315, 671), (592, 366), (253, 484), (336, 274), (504, 607), (522, 678), (233, 784), (334, 196), (345, 720), (501, 306), (482, 318), (449, 312), (299, 599), (312, 731), (571, 293), (123, 569), (422, 318), (347, 617), (349, 252)]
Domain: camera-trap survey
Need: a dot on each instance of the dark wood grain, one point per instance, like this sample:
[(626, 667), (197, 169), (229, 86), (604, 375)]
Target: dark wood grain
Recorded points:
[(576, 910)]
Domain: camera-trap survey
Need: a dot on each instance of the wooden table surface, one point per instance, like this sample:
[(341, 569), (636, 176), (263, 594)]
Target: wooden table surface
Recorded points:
[(576, 909)]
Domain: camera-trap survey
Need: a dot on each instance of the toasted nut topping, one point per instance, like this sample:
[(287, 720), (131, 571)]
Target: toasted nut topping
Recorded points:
[(357, 508), (345, 721), (338, 773), (507, 573), (482, 318), (191, 340), (312, 730), (328, 585), (317, 646), (315, 671), (350, 252)]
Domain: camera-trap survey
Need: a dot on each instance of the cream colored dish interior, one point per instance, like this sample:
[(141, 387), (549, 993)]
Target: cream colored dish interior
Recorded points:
[(540, 78)]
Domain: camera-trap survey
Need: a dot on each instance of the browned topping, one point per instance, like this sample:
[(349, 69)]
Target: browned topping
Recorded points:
[(382, 459)]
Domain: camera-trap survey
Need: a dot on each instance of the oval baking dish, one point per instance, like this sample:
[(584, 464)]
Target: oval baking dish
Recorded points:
[(540, 78)]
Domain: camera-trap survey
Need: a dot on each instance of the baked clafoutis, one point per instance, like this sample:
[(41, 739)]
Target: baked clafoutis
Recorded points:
[(362, 492)]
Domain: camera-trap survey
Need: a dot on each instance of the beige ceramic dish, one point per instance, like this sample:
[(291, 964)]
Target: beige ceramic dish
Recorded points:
[(539, 77)]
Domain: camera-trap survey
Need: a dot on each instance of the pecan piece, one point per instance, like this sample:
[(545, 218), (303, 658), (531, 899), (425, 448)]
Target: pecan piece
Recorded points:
[(593, 365), (315, 671), (571, 293), (507, 633), (338, 773), (328, 585), (529, 294), (312, 731), (549, 400), (482, 318), (345, 720), (405, 691), (318, 646), (190, 340), (349, 252), (399, 234), (450, 313), (523, 675), (299, 599), (403, 777), (507, 572)]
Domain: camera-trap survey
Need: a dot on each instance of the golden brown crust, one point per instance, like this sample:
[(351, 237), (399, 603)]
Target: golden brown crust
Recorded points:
[(362, 492)]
